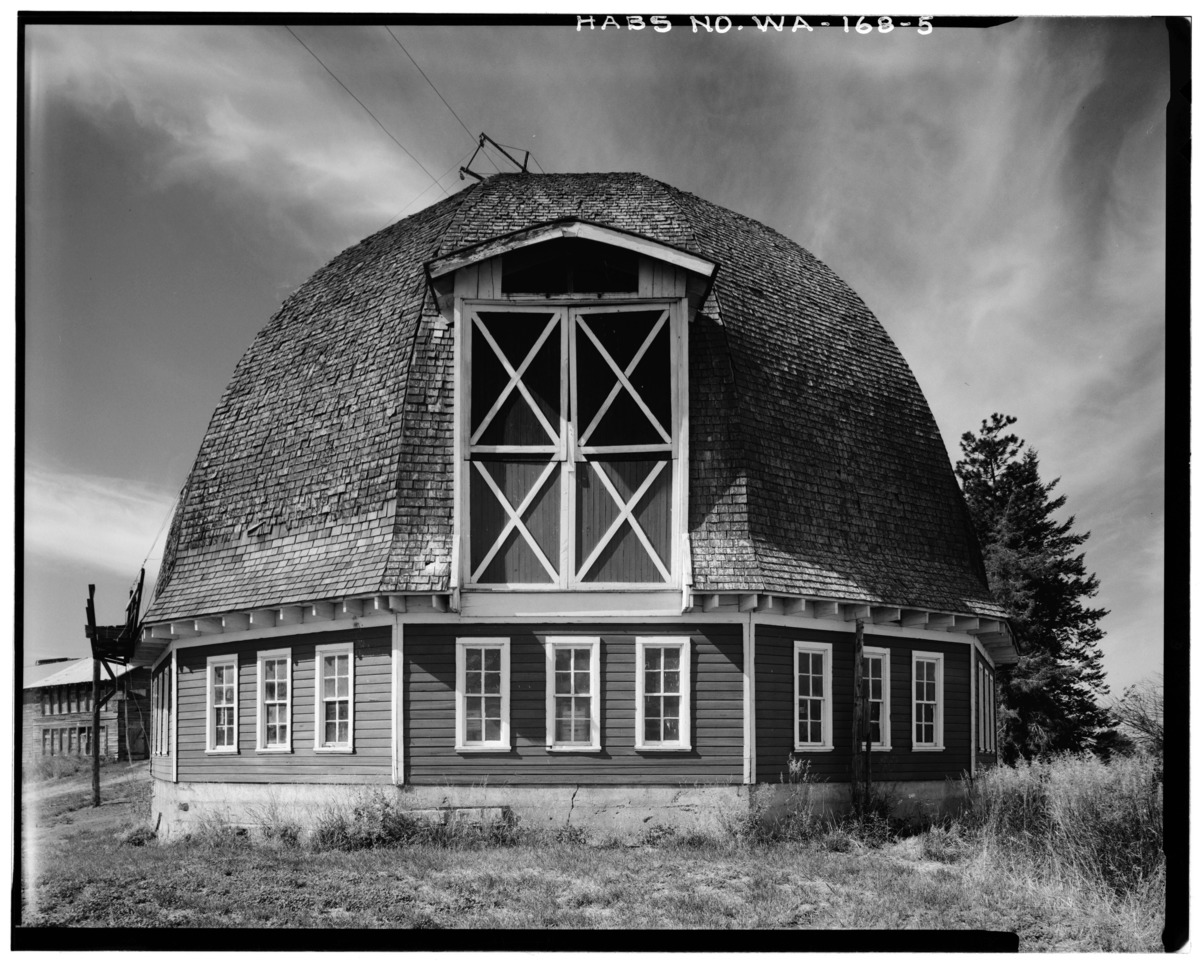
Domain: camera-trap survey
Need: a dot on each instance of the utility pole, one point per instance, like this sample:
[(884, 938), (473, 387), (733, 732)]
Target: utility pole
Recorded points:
[(91, 621)]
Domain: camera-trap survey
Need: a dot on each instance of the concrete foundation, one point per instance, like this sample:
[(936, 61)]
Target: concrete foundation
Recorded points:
[(904, 799), (178, 809)]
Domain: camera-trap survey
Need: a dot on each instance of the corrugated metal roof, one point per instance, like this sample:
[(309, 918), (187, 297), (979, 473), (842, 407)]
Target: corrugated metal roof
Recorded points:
[(77, 672), (816, 466)]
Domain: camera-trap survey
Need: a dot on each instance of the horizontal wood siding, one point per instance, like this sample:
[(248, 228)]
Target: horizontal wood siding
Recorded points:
[(369, 762), (775, 693), (716, 711)]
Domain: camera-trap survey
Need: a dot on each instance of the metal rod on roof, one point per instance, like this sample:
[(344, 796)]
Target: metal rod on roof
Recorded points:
[(484, 136)]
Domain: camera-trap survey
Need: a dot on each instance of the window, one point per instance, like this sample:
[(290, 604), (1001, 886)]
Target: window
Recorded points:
[(222, 704), (274, 701), (813, 671), (927, 701), (985, 708), (664, 680), (573, 693), (877, 669), (481, 694), (161, 688), (571, 439), (335, 697)]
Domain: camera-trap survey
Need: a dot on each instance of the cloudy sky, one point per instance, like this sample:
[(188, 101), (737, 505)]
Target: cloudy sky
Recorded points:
[(996, 196)]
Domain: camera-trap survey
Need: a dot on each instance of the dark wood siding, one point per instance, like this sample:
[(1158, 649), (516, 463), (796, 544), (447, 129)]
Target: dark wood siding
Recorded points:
[(716, 710), (774, 693), (371, 759)]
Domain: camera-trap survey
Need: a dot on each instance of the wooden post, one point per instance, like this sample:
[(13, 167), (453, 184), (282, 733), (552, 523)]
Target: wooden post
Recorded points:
[(91, 621), (866, 696), (856, 724)]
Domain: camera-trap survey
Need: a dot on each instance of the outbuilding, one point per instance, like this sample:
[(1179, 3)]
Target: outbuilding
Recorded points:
[(57, 716), (566, 495)]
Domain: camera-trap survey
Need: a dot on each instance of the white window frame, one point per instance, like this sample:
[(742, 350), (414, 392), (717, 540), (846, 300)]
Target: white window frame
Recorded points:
[(592, 645), (221, 660), (323, 651), (885, 711), (284, 655), (504, 742), (938, 660), (813, 647), (684, 742)]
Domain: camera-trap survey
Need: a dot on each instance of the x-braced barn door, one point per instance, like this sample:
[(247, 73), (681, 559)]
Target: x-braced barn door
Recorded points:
[(571, 445)]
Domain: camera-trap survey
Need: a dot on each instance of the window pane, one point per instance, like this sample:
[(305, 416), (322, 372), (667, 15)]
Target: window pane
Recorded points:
[(671, 658), (653, 658), (818, 686), (474, 708), (281, 690), (583, 659), (562, 659), (653, 682), (814, 730), (562, 729), (492, 728), (653, 730), (562, 682), (671, 682), (670, 729), (583, 715), (816, 709), (802, 710), (474, 659), (269, 670), (329, 686), (652, 708), (474, 681), (491, 659), (491, 683), (671, 707), (583, 681), (474, 729)]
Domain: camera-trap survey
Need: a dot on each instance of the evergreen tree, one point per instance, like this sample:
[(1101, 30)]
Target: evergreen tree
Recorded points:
[(1051, 697)]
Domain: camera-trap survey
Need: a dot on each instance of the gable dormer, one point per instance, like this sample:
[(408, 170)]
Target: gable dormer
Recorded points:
[(571, 413)]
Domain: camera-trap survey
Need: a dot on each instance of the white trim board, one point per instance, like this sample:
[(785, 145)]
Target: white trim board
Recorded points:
[(456, 260)]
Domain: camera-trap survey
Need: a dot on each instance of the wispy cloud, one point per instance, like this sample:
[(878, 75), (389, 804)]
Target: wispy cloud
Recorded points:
[(104, 523), (247, 114)]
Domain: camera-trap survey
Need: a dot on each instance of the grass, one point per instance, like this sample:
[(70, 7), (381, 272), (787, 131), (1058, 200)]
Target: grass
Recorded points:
[(372, 864)]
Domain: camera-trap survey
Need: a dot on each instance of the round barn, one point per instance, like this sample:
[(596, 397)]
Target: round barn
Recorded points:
[(569, 496)]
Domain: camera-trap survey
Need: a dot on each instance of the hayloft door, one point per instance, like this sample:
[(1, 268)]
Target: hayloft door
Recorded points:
[(571, 445), (623, 441)]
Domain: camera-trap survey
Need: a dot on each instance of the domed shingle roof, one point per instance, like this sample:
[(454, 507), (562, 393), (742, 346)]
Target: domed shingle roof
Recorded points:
[(816, 467)]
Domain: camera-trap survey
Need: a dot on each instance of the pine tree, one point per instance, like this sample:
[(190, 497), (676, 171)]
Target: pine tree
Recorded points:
[(1051, 697)]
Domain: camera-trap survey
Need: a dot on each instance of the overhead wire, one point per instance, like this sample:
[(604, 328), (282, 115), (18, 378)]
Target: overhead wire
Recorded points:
[(366, 108), (458, 163), (435, 89)]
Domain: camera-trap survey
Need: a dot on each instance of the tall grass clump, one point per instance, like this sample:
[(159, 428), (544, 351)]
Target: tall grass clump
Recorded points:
[(1075, 819)]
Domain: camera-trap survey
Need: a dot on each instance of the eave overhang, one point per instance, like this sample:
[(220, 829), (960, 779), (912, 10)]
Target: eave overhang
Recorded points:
[(582, 229), (992, 633)]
